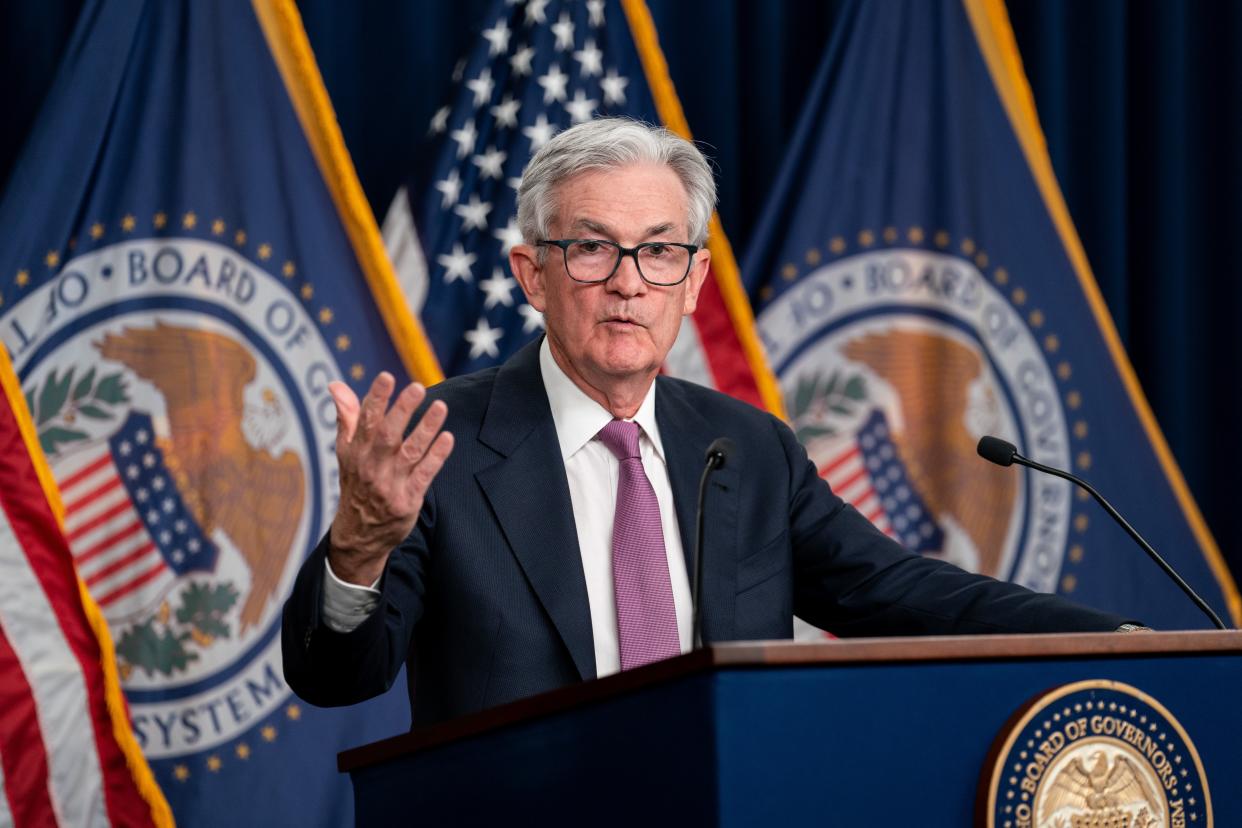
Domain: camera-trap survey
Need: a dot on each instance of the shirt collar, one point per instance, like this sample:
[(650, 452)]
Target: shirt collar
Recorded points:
[(577, 417)]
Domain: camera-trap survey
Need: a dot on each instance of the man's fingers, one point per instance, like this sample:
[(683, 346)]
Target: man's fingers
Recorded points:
[(398, 417), (415, 446), (374, 404), (426, 469), (347, 406)]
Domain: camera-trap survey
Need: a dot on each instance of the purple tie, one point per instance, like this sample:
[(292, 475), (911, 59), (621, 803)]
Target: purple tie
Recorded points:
[(646, 617)]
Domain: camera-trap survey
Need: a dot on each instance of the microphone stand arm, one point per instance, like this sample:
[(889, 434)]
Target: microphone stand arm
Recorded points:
[(1130, 530)]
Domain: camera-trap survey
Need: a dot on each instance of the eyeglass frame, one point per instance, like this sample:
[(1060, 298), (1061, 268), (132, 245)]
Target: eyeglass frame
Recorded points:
[(622, 252)]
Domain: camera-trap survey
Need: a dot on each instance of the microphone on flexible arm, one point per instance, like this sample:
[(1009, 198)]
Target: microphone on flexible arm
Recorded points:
[(717, 455), (1002, 453)]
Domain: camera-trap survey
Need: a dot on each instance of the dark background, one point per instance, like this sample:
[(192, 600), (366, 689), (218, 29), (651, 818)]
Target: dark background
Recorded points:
[(1138, 100)]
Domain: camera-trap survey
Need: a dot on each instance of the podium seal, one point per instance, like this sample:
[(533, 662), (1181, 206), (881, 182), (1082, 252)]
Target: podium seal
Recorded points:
[(1096, 754)]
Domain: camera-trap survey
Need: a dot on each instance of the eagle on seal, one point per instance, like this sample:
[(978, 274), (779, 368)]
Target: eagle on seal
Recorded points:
[(932, 375), (1102, 790), (255, 498)]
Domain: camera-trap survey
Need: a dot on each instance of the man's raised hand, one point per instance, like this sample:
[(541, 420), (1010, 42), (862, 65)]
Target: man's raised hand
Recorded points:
[(384, 475)]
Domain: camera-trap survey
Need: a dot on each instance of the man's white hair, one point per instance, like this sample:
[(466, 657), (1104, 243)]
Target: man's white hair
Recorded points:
[(607, 144)]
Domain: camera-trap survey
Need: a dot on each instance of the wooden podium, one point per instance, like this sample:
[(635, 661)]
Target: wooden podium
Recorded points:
[(872, 732)]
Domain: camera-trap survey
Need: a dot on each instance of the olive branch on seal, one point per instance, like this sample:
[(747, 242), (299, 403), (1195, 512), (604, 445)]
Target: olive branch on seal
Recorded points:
[(162, 643), (58, 404), (817, 400)]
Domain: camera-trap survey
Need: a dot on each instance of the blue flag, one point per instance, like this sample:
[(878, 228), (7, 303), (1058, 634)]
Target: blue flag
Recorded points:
[(187, 261), (537, 68), (918, 284)]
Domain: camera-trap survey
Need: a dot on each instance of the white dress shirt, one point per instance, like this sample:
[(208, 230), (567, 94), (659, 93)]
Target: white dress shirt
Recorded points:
[(593, 472)]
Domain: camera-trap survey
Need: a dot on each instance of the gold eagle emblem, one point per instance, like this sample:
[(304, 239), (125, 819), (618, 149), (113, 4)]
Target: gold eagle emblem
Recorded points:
[(932, 375), (1102, 795), (255, 498)]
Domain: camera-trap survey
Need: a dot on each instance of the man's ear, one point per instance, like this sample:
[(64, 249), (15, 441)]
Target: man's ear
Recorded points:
[(524, 263), (694, 282)]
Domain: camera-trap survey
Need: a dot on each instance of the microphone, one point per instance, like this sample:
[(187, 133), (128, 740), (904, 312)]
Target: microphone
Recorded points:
[(1003, 453), (717, 455)]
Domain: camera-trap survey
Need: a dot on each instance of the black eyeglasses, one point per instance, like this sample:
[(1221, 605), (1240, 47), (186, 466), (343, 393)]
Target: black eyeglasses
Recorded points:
[(591, 261)]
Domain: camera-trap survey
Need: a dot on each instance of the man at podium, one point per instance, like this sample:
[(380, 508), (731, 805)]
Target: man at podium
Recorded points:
[(534, 527)]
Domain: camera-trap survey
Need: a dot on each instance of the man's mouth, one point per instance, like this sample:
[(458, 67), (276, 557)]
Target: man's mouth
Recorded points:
[(621, 321)]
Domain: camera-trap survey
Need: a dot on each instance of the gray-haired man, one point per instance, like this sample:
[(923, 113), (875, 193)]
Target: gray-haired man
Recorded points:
[(550, 547)]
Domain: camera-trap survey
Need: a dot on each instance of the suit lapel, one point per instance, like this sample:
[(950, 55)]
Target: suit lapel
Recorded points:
[(686, 434), (529, 493)]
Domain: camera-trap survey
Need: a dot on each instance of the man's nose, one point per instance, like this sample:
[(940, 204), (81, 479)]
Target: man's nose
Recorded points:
[(627, 281)]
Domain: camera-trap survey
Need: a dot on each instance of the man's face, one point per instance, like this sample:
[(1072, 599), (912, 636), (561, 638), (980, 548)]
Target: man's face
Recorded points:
[(621, 330)]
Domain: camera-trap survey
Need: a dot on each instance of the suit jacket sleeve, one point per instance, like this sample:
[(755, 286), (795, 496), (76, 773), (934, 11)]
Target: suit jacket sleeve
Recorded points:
[(854, 580), (328, 668)]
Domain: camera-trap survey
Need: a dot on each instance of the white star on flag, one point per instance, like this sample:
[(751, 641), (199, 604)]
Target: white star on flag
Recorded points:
[(457, 264), (591, 58), (450, 187), (509, 235), (490, 162), (596, 9), (483, 340), (520, 61), (482, 87), (506, 112), (498, 289), (540, 132), (581, 108), (465, 138), (614, 88), (532, 320), (535, 11), (498, 37), (439, 121), (564, 31), (474, 214), (553, 84)]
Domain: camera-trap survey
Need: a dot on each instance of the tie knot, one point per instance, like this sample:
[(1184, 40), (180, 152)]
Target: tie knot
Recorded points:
[(621, 438)]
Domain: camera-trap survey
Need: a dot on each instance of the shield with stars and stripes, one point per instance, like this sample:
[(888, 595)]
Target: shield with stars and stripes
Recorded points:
[(128, 526)]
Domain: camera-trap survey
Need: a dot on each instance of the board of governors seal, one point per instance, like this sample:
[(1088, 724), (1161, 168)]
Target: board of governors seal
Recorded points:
[(179, 390), (1096, 754)]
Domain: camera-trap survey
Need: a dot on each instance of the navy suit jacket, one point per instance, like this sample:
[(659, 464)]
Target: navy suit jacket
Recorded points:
[(486, 601)]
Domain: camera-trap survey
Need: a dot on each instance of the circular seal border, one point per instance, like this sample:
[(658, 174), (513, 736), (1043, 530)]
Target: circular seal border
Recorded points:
[(191, 224), (998, 759), (960, 244)]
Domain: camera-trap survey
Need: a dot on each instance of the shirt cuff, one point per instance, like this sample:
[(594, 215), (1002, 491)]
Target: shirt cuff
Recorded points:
[(346, 606)]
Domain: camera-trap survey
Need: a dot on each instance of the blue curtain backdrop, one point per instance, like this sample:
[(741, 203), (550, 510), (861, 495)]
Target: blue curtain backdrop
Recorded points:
[(1137, 99)]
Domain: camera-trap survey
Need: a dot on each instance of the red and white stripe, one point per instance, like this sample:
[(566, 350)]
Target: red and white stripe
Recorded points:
[(846, 472), (56, 772), (719, 359), (114, 553), (60, 759)]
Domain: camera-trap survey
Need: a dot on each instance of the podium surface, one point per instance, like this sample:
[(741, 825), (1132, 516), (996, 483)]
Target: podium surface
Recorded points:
[(903, 731)]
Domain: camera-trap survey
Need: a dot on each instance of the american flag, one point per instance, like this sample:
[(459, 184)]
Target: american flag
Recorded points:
[(539, 67), (867, 472), (130, 532), (68, 755)]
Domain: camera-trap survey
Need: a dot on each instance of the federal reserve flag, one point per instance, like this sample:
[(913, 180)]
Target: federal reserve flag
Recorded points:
[(539, 67), (916, 261), (187, 262)]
